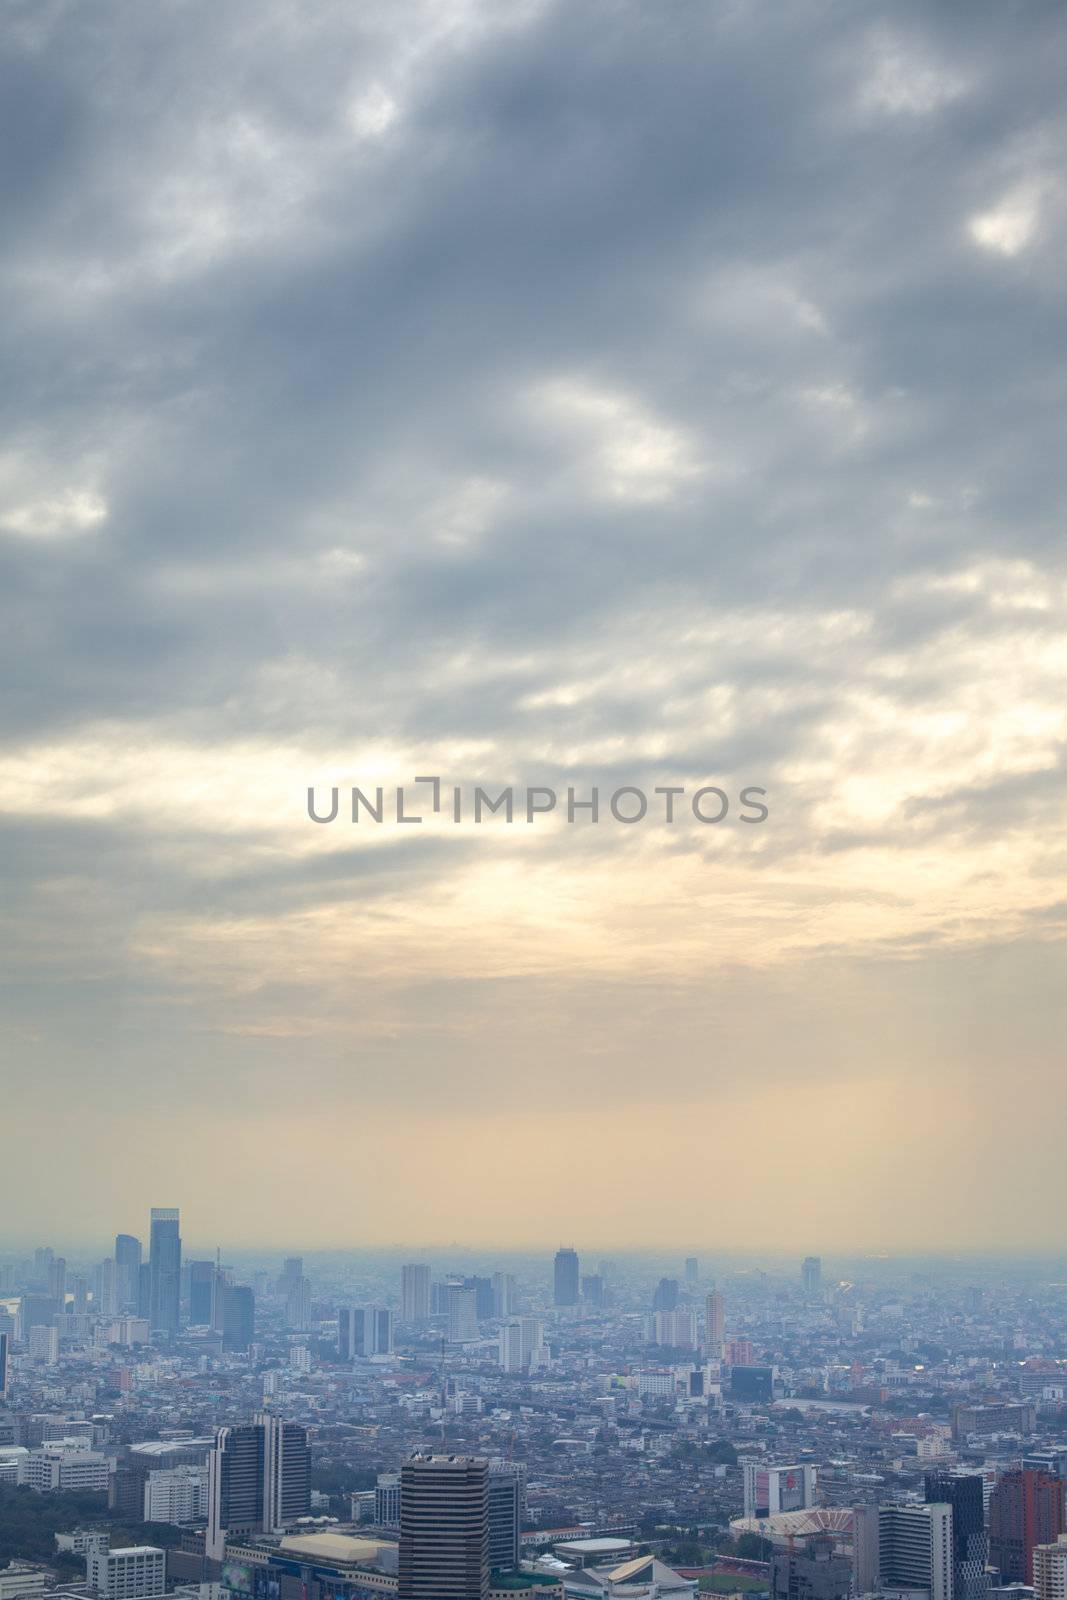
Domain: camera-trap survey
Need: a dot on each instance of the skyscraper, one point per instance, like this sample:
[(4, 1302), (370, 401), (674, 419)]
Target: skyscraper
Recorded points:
[(811, 1276), (666, 1296), (462, 1314), (415, 1292), (444, 1528), (364, 1331), (3, 1366), (970, 1543), (201, 1293), (715, 1325), (565, 1277), (1050, 1570), (165, 1267), (235, 1315), (258, 1480), (692, 1269), (1026, 1508), (903, 1547), (503, 1294), (507, 1496), (127, 1267)]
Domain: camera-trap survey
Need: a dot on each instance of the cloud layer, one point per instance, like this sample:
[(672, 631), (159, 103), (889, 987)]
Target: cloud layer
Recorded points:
[(535, 393)]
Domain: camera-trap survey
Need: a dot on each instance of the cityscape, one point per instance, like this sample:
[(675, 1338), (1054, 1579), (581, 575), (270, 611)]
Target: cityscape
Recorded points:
[(340, 1426)]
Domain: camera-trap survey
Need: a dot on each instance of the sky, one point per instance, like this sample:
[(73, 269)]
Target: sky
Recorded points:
[(534, 393)]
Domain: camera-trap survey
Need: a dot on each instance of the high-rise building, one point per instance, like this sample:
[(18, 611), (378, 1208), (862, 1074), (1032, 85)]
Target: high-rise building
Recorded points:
[(165, 1271), (202, 1294), (364, 1331), (507, 1499), (444, 1528), (510, 1347), (1050, 1570), (770, 1489), (462, 1314), (903, 1547), (235, 1315), (106, 1288), (592, 1289), (43, 1344), (1027, 1508), (677, 1329), (387, 1501), (258, 1480), (290, 1275), (666, 1295), (811, 1276), (135, 1572), (127, 1268), (970, 1543), (3, 1365), (566, 1274), (57, 1280), (415, 1292), (504, 1297), (715, 1325), (692, 1269), (298, 1305)]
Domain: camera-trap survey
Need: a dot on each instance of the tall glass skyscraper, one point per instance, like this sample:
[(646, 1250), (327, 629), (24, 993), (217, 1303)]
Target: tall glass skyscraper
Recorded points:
[(165, 1265)]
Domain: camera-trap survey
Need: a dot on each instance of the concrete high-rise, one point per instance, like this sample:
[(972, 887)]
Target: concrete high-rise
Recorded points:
[(462, 1314), (1027, 1508), (903, 1547), (507, 1499), (258, 1480), (202, 1294), (444, 1528), (415, 1292), (364, 1331), (811, 1276), (165, 1269), (565, 1277), (715, 1325), (1050, 1570)]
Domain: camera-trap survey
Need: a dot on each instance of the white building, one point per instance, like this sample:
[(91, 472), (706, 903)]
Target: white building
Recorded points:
[(130, 1574), (769, 1490), (176, 1494), (21, 1581), (1050, 1570), (462, 1315), (43, 1344), (56, 1467)]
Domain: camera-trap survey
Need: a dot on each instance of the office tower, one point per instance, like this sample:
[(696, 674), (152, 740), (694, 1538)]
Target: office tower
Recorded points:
[(298, 1305), (165, 1271), (970, 1543), (565, 1277), (202, 1294), (666, 1295), (106, 1288), (3, 1365), (768, 1489), (127, 1270), (483, 1296), (290, 1275), (42, 1260), (503, 1294), (144, 1291), (462, 1314), (444, 1528), (1027, 1508), (812, 1570), (57, 1280), (507, 1499), (1050, 1570), (692, 1269), (715, 1325), (364, 1331), (387, 1501), (258, 1480), (415, 1292), (811, 1276), (80, 1293), (592, 1289), (903, 1547), (235, 1315)]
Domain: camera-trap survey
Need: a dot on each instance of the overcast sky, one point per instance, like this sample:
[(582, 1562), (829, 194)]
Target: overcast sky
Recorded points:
[(534, 392)]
